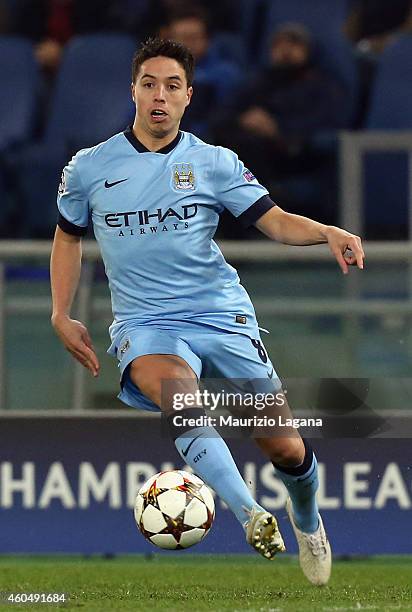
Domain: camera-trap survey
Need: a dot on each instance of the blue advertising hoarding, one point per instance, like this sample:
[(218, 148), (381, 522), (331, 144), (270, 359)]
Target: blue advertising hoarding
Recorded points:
[(68, 485)]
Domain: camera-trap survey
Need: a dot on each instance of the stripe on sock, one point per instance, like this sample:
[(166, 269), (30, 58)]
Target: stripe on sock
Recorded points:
[(298, 470)]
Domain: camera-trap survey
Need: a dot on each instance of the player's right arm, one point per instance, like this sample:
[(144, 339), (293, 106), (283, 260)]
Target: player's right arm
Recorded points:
[(65, 266)]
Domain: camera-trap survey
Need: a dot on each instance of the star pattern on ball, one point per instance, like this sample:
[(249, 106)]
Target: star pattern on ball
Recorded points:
[(173, 505)]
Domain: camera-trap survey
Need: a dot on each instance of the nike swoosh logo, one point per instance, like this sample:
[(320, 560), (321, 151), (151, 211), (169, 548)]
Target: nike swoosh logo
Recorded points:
[(270, 374), (108, 185), (184, 453)]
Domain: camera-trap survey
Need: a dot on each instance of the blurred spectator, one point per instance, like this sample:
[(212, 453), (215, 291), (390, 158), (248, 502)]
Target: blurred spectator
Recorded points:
[(276, 117), (226, 14), (216, 78), (51, 23)]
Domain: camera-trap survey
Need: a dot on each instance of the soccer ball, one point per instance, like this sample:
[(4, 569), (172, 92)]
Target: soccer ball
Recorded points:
[(174, 509)]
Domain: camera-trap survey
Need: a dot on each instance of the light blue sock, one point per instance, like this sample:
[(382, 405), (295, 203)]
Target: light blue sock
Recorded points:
[(208, 455), (302, 487)]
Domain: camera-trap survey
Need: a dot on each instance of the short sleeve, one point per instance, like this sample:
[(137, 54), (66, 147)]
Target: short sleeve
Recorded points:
[(72, 201), (238, 190)]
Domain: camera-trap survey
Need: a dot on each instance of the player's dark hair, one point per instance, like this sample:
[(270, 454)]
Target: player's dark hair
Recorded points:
[(155, 47)]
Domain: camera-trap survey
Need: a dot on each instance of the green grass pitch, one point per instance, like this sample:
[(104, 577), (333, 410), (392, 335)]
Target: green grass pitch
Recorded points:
[(190, 582)]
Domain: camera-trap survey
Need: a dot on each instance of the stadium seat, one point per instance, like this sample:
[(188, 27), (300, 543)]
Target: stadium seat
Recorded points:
[(251, 23), (229, 46), (324, 18), (386, 175), (336, 56), (92, 101), (18, 84), (391, 106)]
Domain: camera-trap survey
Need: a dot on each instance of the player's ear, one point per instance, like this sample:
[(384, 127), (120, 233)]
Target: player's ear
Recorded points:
[(132, 90), (189, 95)]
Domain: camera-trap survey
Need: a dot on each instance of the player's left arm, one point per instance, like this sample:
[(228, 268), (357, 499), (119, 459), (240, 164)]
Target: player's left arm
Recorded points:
[(292, 229)]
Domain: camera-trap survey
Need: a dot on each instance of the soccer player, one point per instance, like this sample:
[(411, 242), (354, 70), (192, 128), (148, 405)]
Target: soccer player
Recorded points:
[(154, 195)]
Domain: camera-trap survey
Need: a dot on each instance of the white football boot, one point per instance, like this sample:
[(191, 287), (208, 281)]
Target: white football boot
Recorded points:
[(315, 556), (263, 534)]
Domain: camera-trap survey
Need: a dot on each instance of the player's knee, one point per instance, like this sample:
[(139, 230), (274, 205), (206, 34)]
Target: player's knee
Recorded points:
[(291, 453), (178, 371), (288, 452)]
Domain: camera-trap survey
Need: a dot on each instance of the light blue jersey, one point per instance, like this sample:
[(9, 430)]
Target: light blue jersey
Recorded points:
[(154, 216)]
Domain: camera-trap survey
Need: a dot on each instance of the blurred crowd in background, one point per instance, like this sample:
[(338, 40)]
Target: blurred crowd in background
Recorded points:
[(276, 80)]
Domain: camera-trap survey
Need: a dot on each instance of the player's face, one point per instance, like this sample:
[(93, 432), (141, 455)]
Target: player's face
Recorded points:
[(161, 95)]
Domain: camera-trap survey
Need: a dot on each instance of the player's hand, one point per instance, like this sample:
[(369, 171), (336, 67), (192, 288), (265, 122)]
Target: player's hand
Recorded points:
[(346, 247), (77, 341), (259, 121)]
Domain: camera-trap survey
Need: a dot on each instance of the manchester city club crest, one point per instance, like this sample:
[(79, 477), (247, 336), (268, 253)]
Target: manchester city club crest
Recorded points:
[(183, 176)]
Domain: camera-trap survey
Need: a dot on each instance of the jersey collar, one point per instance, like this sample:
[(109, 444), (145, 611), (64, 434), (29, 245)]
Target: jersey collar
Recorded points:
[(142, 149)]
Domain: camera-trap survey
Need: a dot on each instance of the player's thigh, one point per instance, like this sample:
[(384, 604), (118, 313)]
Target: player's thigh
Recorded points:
[(244, 364), (236, 356), (236, 363), (155, 355), (162, 377)]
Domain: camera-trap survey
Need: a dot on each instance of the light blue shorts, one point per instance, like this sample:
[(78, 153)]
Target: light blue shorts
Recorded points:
[(212, 353)]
